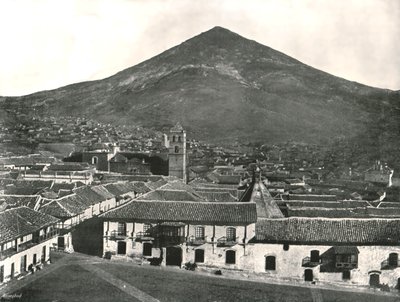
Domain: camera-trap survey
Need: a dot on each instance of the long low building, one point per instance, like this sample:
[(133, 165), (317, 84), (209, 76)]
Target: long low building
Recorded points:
[(348, 250), (26, 237), (253, 237), (208, 233)]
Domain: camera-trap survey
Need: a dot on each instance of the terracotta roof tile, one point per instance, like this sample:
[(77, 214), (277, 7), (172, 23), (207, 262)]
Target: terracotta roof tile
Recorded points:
[(160, 211), (329, 231), (21, 221)]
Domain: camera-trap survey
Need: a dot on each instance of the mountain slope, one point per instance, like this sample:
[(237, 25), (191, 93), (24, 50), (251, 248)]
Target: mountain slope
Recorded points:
[(223, 87)]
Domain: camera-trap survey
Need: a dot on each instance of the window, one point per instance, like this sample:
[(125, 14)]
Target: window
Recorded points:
[(285, 246), (34, 259), (199, 256), (346, 275), (173, 138), (147, 249), (146, 227), (231, 234), (179, 139), (1, 274), (199, 233), (95, 160), (176, 149), (393, 259), (121, 228), (230, 257), (270, 263), (314, 257)]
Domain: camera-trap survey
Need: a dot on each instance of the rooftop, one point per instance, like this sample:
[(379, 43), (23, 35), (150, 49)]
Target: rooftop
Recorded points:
[(22, 221), (329, 231), (200, 212)]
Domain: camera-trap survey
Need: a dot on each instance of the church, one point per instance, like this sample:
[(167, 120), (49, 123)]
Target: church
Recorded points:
[(109, 158)]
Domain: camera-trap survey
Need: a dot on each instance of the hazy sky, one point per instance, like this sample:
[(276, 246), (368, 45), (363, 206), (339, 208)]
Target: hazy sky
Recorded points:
[(46, 44)]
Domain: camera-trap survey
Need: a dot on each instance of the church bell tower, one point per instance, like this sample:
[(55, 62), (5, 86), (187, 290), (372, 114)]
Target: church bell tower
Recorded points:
[(177, 152)]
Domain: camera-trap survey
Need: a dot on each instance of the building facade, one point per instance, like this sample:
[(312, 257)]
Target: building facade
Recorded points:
[(26, 237)]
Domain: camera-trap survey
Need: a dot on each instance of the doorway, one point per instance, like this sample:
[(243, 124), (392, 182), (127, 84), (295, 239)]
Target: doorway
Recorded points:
[(23, 264), (44, 254), (374, 280), (308, 275), (61, 243), (121, 248), (12, 270), (174, 256)]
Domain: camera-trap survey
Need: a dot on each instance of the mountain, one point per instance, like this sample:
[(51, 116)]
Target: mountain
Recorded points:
[(225, 88)]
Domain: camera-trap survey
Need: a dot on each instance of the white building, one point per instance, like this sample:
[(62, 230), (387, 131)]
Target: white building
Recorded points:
[(212, 234), (26, 237)]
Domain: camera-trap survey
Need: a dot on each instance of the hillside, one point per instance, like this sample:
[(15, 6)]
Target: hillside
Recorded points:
[(223, 88)]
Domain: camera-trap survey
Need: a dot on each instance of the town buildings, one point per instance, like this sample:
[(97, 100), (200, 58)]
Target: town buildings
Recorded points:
[(26, 237), (277, 223)]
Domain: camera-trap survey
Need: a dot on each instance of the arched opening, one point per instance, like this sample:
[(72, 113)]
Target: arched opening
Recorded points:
[(147, 249), (393, 259), (374, 280), (179, 139), (230, 257), (199, 256), (230, 234), (173, 138), (176, 149), (270, 263), (95, 160), (121, 248)]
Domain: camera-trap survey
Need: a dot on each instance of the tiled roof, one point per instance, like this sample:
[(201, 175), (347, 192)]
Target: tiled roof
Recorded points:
[(328, 231), (21, 221), (312, 197), (156, 184), (108, 178), (62, 186), (224, 179), (24, 187), (69, 166), (233, 192), (121, 188), (88, 195), (140, 187), (217, 196), (20, 200), (204, 184), (69, 206), (101, 190), (54, 208), (205, 212), (328, 204), (170, 195), (321, 212)]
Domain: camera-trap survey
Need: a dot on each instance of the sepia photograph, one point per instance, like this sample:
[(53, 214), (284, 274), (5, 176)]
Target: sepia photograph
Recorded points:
[(209, 150)]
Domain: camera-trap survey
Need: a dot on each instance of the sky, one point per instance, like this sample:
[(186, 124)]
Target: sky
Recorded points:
[(46, 44)]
